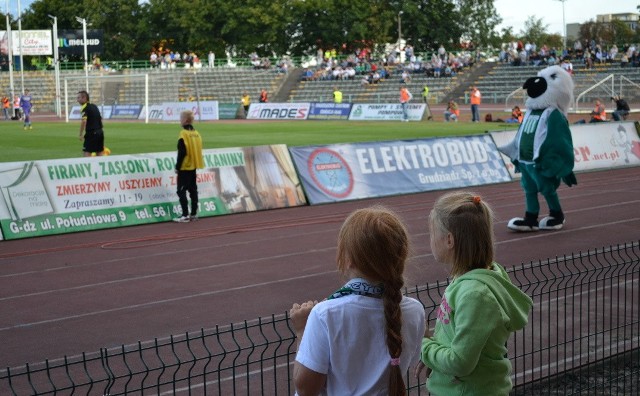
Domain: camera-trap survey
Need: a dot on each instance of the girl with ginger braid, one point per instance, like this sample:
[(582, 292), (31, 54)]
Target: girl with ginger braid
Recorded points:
[(362, 339)]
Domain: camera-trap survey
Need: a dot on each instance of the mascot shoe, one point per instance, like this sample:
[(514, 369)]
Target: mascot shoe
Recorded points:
[(555, 221), (527, 224)]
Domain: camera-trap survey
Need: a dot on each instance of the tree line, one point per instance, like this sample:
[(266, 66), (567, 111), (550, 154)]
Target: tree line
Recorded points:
[(132, 29)]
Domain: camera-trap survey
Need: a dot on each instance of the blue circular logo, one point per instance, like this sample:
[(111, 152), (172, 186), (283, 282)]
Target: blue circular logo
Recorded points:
[(330, 172)]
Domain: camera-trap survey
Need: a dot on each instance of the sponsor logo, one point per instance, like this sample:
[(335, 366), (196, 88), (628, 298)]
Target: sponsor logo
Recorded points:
[(330, 172)]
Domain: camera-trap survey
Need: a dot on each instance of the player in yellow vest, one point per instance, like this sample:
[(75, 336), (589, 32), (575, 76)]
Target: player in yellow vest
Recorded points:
[(189, 159)]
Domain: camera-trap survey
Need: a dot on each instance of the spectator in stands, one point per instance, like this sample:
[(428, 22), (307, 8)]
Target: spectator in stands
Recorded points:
[(613, 52), (567, 65), (375, 77), (624, 60), (599, 113), (211, 59), (588, 59), (365, 336), (480, 309), (264, 97), (408, 52), (307, 74), (246, 102), (622, 109), (96, 63), (153, 59), (476, 99), (442, 53), (366, 79), (516, 116), (406, 77), (350, 73), (337, 95), (452, 113)]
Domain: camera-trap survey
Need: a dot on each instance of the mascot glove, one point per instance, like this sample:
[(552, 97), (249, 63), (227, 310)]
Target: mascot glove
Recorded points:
[(570, 179)]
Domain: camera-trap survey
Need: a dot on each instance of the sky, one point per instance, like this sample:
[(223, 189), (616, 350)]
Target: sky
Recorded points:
[(515, 12)]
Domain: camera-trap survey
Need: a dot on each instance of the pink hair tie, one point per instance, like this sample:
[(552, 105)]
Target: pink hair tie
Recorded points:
[(395, 361)]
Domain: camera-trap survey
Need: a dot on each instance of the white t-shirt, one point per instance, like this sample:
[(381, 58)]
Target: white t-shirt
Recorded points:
[(345, 339)]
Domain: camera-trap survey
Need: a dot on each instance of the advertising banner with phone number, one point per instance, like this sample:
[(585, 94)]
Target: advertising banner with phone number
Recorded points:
[(69, 195)]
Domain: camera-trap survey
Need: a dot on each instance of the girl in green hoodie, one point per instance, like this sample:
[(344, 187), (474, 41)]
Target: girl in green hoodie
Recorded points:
[(480, 308)]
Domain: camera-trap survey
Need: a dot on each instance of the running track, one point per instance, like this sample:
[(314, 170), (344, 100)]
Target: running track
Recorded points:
[(67, 294)]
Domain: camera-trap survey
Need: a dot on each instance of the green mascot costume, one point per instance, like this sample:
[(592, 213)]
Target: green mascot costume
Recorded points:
[(543, 149)]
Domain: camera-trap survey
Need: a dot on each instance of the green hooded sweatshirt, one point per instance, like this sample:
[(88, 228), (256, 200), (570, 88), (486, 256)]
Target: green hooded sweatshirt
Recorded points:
[(467, 353)]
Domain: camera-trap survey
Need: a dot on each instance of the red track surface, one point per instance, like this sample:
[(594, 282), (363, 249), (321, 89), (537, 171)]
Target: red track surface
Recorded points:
[(67, 294)]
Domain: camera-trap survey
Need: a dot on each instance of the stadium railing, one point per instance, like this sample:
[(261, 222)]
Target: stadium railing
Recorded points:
[(583, 337)]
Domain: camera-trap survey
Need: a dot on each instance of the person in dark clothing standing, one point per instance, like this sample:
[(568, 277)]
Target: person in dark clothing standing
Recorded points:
[(189, 159), (90, 127), (622, 109)]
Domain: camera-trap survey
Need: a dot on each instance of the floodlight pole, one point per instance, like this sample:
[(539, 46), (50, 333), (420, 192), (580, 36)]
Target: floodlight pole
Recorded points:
[(56, 64), (10, 50), (400, 33), (20, 48), (564, 27), (84, 39)]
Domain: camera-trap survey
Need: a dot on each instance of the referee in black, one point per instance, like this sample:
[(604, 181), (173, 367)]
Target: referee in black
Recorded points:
[(90, 127)]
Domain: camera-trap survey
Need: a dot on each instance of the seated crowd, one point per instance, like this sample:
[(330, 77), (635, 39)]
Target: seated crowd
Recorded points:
[(361, 64), (588, 54), (167, 59)]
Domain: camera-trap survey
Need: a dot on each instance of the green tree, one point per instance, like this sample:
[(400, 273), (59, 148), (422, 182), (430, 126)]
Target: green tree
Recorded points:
[(119, 20), (619, 33), (255, 25), (340, 25), (429, 24), (181, 25), (534, 31), (479, 19)]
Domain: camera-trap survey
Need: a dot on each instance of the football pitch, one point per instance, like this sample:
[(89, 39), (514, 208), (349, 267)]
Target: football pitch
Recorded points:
[(54, 140)]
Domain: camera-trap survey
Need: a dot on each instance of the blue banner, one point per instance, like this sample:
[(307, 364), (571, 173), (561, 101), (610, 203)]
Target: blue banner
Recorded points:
[(126, 112), (329, 111), (365, 170)]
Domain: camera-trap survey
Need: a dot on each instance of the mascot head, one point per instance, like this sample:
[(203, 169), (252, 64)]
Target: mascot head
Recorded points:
[(553, 87)]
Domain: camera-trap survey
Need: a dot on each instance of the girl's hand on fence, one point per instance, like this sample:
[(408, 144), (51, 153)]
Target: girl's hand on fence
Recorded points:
[(299, 314), (419, 367)]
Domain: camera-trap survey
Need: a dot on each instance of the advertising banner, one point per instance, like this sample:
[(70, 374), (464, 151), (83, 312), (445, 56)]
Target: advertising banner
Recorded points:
[(365, 170), (125, 112), (604, 145), (278, 111), (228, 111), (70, 195), (71, 42), (155, 112), (34, 42), (385, 112), (105, 112), (203, 110), (329, 111)]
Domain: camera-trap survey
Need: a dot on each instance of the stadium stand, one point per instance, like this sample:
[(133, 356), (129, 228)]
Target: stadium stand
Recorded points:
[(496, 81)]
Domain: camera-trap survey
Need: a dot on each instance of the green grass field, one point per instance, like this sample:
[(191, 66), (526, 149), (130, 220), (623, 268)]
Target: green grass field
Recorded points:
[(53, 140)]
